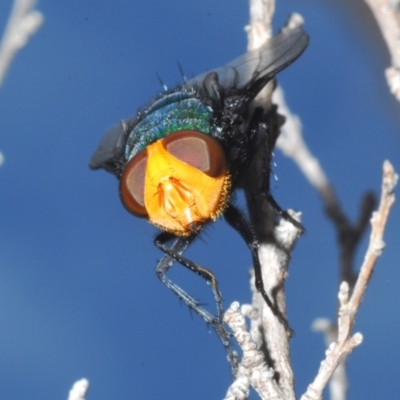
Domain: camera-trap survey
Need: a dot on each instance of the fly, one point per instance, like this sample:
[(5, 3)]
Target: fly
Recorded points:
[(180, 159)]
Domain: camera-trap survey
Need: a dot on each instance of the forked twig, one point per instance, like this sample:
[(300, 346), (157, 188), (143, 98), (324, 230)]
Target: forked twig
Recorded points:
[(349, 304), (254, 369), (23, 23)]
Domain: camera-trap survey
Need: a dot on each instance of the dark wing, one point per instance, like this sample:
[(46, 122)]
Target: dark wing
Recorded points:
[(254, 69), (247, 74), (109, 153)]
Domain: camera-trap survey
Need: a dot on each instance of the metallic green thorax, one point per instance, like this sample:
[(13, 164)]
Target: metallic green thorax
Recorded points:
[(171, 113)]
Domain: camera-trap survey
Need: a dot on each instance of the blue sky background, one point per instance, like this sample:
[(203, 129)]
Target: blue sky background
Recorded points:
[(79, 296)]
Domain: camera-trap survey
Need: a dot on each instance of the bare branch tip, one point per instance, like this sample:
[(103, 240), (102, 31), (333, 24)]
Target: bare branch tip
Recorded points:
[(233, 309), (357, 339), (79, 390), (234, 318), (294, 21), (247, 310), (390, 177), (23, 22)]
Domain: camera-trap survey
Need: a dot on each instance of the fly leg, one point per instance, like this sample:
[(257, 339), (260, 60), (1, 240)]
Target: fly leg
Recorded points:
[(273, 121), (163, 266), (174, 254), (283, 213), (240, 223)]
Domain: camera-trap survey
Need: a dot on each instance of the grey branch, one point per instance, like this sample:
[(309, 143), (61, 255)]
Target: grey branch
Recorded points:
[(259, 29), (267, 339), (270, 346), (23, 22), (349, 304), (292, 145), (266, 346), (387, 15), (253, 369)]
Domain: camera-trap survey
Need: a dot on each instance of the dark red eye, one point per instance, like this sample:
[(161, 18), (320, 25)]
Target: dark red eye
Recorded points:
[(198, 150), (132, 185)]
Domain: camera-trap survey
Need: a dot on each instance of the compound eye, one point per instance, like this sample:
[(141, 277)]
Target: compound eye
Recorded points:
[(132, 185), (198, 150)]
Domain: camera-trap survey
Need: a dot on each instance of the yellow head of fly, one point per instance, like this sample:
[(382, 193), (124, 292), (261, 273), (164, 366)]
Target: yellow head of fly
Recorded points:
[(178, 182)]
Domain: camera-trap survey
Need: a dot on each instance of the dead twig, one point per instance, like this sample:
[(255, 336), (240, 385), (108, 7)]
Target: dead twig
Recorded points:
[(24, 21), (387, 15), (349, 304)]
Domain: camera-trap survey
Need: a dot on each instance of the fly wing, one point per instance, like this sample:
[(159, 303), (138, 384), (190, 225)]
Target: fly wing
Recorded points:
[(261, 64), (110, 149)]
